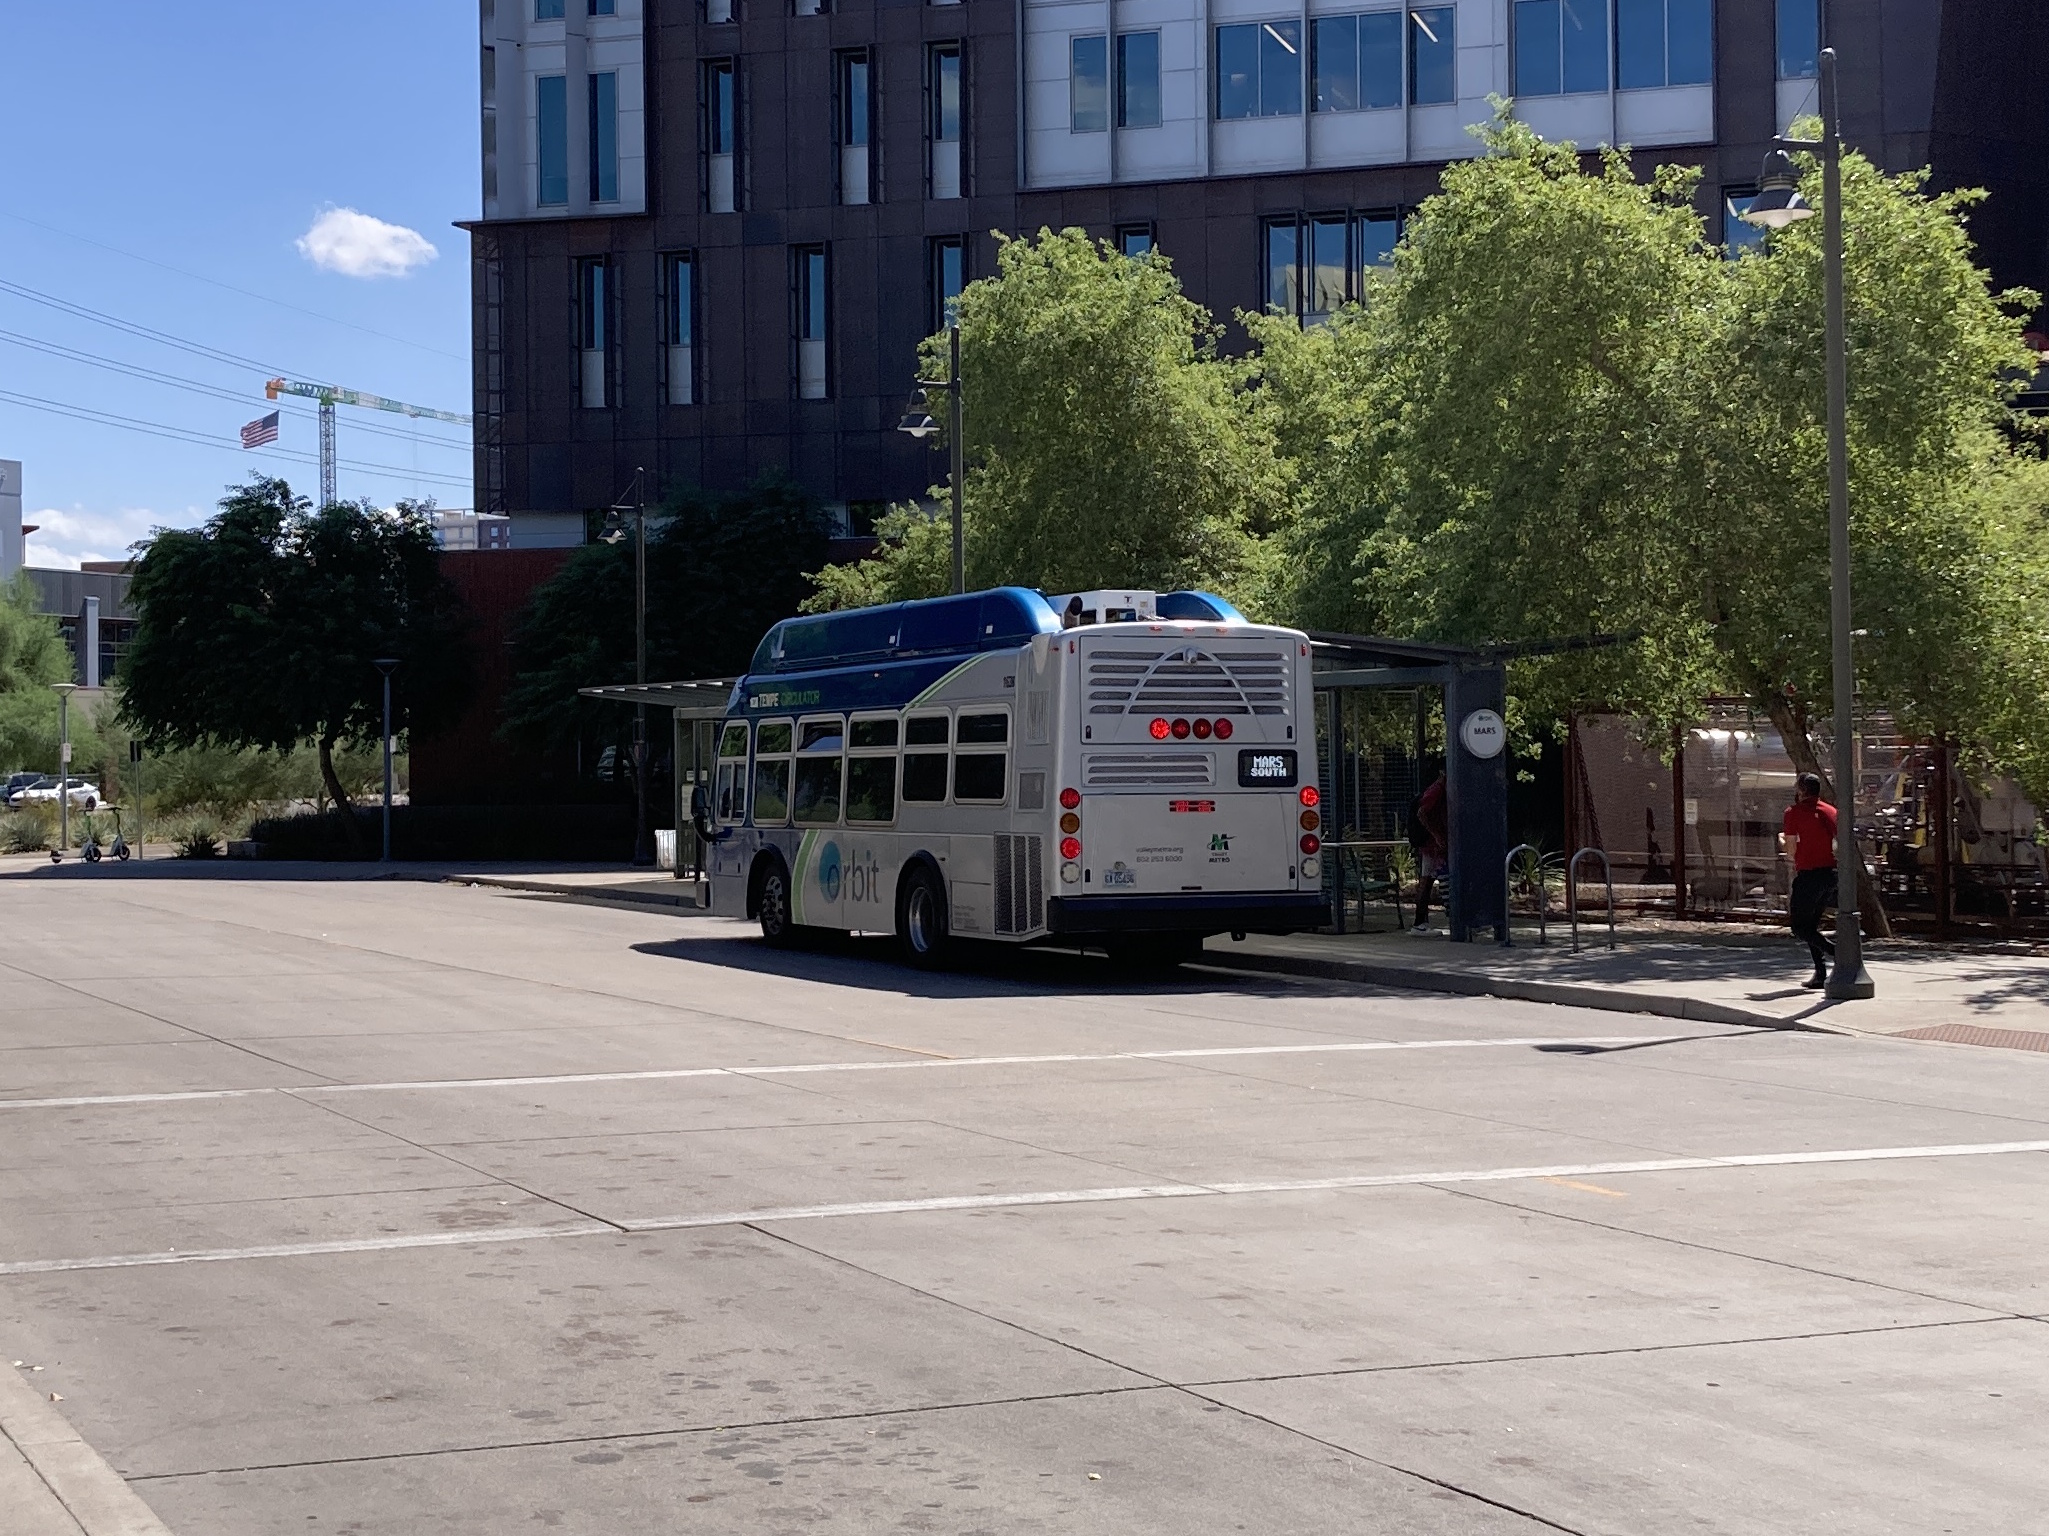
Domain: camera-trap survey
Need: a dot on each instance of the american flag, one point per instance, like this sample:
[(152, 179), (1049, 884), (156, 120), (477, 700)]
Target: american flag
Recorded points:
[(260, 431)]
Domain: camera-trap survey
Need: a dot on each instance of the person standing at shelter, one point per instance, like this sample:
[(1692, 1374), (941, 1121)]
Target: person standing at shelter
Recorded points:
[(1809, 838), (1430, 836)]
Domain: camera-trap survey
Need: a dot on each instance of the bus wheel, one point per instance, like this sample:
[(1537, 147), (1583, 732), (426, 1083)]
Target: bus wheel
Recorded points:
[(777, 931), (921, 920)]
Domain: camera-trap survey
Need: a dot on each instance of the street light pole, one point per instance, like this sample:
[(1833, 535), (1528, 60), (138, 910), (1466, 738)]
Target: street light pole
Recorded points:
[(1777, 205), (64, 692), (918, 423), (387, 665), (643, 835)]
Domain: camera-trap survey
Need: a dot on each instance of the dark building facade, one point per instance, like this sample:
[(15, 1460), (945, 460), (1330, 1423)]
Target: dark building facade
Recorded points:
[(715, 231)]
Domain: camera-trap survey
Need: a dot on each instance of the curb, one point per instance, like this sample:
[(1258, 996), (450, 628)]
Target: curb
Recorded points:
[(96, 1498), (595, 893), (1568, 994)]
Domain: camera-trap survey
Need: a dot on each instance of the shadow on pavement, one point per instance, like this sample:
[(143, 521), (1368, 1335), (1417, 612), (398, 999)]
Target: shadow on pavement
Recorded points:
[(1574, 1048)]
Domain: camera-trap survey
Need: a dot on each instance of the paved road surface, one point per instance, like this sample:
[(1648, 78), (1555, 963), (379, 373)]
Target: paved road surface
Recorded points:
[(417, 1209)]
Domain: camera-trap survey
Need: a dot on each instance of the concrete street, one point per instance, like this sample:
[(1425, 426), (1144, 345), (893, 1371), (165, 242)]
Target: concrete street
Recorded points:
[(385, 1206)]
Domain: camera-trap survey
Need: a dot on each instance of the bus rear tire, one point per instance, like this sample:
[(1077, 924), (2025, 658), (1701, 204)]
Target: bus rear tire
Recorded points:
[(921, 928), (773, 905)]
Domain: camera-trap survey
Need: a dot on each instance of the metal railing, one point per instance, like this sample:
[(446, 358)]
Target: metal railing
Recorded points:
[(1572, 893)]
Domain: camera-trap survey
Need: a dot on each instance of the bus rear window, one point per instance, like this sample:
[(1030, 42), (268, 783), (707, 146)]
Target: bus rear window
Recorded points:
[(821, 736), (982, 730), (924, 777), (772, 738), (925, 731), (873, 733)]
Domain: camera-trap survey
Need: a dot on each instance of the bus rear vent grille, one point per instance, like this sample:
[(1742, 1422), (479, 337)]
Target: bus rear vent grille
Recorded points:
[(1147, 770), (1020, 883), (1189, 681)]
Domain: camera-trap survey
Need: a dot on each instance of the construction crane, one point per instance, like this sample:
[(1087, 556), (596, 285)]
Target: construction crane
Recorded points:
[(329, 396)]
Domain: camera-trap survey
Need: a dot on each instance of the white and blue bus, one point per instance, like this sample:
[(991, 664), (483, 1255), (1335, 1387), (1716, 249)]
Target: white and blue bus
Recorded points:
[(1128, 770)]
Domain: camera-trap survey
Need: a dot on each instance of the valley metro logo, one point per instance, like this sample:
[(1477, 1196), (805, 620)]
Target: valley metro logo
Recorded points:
[(1220, 842)]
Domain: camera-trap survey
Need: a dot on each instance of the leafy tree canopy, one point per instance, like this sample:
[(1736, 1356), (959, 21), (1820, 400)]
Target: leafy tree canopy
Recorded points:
[(720, 571), (262, 629), (1107, 441), (32, 656)]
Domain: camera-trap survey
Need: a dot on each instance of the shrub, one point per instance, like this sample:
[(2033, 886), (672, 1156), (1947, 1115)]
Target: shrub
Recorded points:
[(29, 829), (197, 839)]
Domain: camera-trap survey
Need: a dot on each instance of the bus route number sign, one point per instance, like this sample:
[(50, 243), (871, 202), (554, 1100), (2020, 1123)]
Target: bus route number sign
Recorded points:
[(1266, 768)]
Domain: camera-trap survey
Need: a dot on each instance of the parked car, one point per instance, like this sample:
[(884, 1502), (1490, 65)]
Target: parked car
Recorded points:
[(46, 789), (16, 783)]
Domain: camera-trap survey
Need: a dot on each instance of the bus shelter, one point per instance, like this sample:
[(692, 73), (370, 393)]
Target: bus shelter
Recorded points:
[(695, 709), (1389, 714)]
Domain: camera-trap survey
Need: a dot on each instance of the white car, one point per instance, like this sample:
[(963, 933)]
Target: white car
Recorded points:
[(45, 791)]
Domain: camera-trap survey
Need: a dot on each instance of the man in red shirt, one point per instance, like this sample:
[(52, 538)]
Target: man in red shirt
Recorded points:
[(1809, 835)]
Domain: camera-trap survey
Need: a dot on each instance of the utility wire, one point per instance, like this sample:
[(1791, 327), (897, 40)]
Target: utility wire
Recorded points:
[(195, 386), (205, 440), (146, 333), (231, 288)]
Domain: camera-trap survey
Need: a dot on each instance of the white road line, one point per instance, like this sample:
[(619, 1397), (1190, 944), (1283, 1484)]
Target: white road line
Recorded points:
[(992, 1202), (94, 1101)]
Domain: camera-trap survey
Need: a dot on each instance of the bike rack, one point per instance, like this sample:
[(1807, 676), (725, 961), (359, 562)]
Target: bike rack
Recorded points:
[(1508, 891), (1572, 893)]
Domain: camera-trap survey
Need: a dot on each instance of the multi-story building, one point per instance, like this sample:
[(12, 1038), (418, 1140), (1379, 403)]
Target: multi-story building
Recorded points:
[(714, 231)]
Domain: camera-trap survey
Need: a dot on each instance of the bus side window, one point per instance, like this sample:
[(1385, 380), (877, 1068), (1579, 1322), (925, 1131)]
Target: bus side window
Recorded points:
[(820, 753), (871, 770), (730, 798), (772, 773), (980, 773), (925, 771)]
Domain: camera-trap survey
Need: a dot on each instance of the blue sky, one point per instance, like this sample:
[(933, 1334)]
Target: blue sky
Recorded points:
[(210, 139)]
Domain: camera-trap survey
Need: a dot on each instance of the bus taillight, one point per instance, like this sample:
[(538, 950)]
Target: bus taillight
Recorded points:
[(1311, 821), (1070, 799), (1180, 730), (1070, 847), (1311, 842), (1309, 796), (1159, 729), (1223, 730), (1202, 730)]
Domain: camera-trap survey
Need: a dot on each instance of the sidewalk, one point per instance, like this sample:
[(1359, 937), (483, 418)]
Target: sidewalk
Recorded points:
[(1737, 976)]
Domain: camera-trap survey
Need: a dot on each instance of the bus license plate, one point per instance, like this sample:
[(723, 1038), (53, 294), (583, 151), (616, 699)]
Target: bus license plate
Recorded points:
[(1266, 768)]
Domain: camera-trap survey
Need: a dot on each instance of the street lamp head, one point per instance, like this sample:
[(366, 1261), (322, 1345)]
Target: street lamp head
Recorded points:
[(386, 664), (1778, 202), (918, 423), (615, 525), (65, 689)]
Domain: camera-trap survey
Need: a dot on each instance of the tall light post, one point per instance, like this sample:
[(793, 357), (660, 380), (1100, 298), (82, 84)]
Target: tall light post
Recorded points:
[(64, 693), (387, 665), (1778, 205), (918, 423), (614, 531)]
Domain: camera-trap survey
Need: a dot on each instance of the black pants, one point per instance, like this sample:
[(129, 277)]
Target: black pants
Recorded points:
[(1814, 892)]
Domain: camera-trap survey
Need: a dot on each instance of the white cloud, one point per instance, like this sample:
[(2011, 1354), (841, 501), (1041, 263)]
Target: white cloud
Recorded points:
[(64, 540), (356, 245)]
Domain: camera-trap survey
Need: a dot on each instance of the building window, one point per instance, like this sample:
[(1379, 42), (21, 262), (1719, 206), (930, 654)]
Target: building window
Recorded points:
[(948, 272), (1738, 233), (813, 320), (1135, 240), (1799, 39), (721, 136), (809, 7), (1433, 55), (601, 7), (593, 332), (943, 102), (547, 10), (1663, 42), (852, 86), (1259, 69), (1356, 61), (551, 117), (1317, 263), (1088, 84), (604, 137), (1138, 80), (718, 12), (1561, 47), (680, 328)]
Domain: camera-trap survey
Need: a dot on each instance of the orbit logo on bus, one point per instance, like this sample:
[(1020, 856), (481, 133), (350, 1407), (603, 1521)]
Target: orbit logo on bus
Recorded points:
[(829, 871)]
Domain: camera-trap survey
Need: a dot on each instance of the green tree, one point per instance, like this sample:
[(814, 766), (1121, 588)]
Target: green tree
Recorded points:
[(1563, 414), (261, 629), (32, 656), (720, 570), (1107, 441)]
